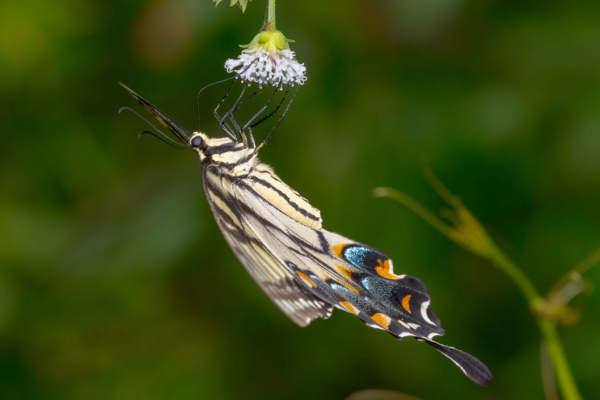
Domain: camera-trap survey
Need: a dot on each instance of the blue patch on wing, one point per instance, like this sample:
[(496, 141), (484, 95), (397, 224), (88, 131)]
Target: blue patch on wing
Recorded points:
[(363, 257), (356, 255)]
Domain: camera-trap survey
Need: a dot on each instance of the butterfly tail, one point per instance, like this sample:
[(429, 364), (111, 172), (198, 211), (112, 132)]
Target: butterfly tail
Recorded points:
[(471, 366)]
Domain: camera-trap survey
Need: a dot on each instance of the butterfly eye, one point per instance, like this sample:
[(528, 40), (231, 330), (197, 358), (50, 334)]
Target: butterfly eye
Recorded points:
[(197, 141)]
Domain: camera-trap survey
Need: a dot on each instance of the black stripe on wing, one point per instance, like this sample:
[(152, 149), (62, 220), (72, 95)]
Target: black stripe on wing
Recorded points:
[(274, 278), (285, 197)]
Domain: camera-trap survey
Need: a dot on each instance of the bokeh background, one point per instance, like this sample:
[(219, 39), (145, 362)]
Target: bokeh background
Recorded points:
[(115, 282)]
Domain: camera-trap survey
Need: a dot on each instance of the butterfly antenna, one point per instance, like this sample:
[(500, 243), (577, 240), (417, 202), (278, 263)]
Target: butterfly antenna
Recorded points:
[(207, 86), (153, 134), (280, 119), (180, 147)]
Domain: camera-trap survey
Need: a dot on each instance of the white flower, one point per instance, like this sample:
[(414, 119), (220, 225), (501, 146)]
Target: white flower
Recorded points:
[(263, 67), (268, 60)]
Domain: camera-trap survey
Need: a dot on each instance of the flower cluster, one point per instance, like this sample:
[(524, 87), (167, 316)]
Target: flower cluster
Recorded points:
[(268, 60), (264, 67)]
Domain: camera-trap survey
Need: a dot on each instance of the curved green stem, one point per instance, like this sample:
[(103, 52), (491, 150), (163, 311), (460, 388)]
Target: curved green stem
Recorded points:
[(566, 382), (518, 277), (468, 233)]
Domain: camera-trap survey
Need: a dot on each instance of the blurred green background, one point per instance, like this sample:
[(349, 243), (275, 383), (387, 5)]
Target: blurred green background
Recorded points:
[(115, 282)]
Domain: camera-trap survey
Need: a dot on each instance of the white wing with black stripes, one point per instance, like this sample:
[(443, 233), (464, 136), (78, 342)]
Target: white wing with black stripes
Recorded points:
[(259, 258), (277, 236), (307, 270)]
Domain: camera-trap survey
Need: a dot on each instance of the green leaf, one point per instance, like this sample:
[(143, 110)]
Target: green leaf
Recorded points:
[(242, 3)]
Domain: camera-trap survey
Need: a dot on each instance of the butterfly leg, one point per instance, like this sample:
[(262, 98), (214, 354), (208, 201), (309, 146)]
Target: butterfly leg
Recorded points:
[(224, 126), (258, 114), (269, 116), (236, 107), (240, 132), (205, 87), (280, 119)]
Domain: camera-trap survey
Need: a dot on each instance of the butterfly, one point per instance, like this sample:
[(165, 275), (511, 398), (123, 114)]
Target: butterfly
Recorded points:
[(306, 270)]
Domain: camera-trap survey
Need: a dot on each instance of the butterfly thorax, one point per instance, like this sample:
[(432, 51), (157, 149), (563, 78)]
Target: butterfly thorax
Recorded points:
[(235, 160)]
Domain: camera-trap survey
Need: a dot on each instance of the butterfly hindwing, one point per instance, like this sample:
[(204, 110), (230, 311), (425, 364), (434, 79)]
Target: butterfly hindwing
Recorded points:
[(471, 366), (397, 303), (354, 277)]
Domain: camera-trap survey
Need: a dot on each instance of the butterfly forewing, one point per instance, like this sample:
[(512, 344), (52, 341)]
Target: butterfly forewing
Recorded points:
[(237, 223)]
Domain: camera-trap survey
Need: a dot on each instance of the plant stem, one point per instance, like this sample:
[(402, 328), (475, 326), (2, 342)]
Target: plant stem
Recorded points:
[(566, 382), (271, 17), (468, 233), (518, 277)]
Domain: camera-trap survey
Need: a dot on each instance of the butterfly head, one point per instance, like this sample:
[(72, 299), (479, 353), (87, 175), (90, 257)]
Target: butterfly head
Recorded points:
[(217, 150), (236, 159), (199, 143)]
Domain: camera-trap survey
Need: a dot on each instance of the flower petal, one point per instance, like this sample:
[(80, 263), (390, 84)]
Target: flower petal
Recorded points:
[(264, 67)]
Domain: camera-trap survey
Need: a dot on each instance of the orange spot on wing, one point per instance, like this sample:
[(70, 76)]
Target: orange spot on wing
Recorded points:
[(306, 278), (381, 320), (349, 307), (337, 249), (405, 304), (345, 271), (347, 274), (384, 270)]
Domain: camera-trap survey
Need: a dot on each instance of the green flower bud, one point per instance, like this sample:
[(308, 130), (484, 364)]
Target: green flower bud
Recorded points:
[(270, 40)]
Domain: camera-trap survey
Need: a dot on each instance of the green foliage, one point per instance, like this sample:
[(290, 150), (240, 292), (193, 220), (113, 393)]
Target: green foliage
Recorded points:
[(242, 3), (466, 231), (115, 281)]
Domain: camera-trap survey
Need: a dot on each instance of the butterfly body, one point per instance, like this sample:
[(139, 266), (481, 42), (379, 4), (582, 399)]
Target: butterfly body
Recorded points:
[(306, 270)]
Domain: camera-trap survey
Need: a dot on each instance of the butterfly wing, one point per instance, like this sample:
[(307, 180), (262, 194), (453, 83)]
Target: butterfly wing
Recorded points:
[(396, 303), (258, 258), (346, 274)]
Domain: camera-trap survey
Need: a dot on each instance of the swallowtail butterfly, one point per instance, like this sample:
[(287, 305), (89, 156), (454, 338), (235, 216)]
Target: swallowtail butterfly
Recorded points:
[(304, 269)]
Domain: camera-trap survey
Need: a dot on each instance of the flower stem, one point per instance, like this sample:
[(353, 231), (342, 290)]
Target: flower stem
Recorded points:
[(271, 15), (566, 382), (468, 233)]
